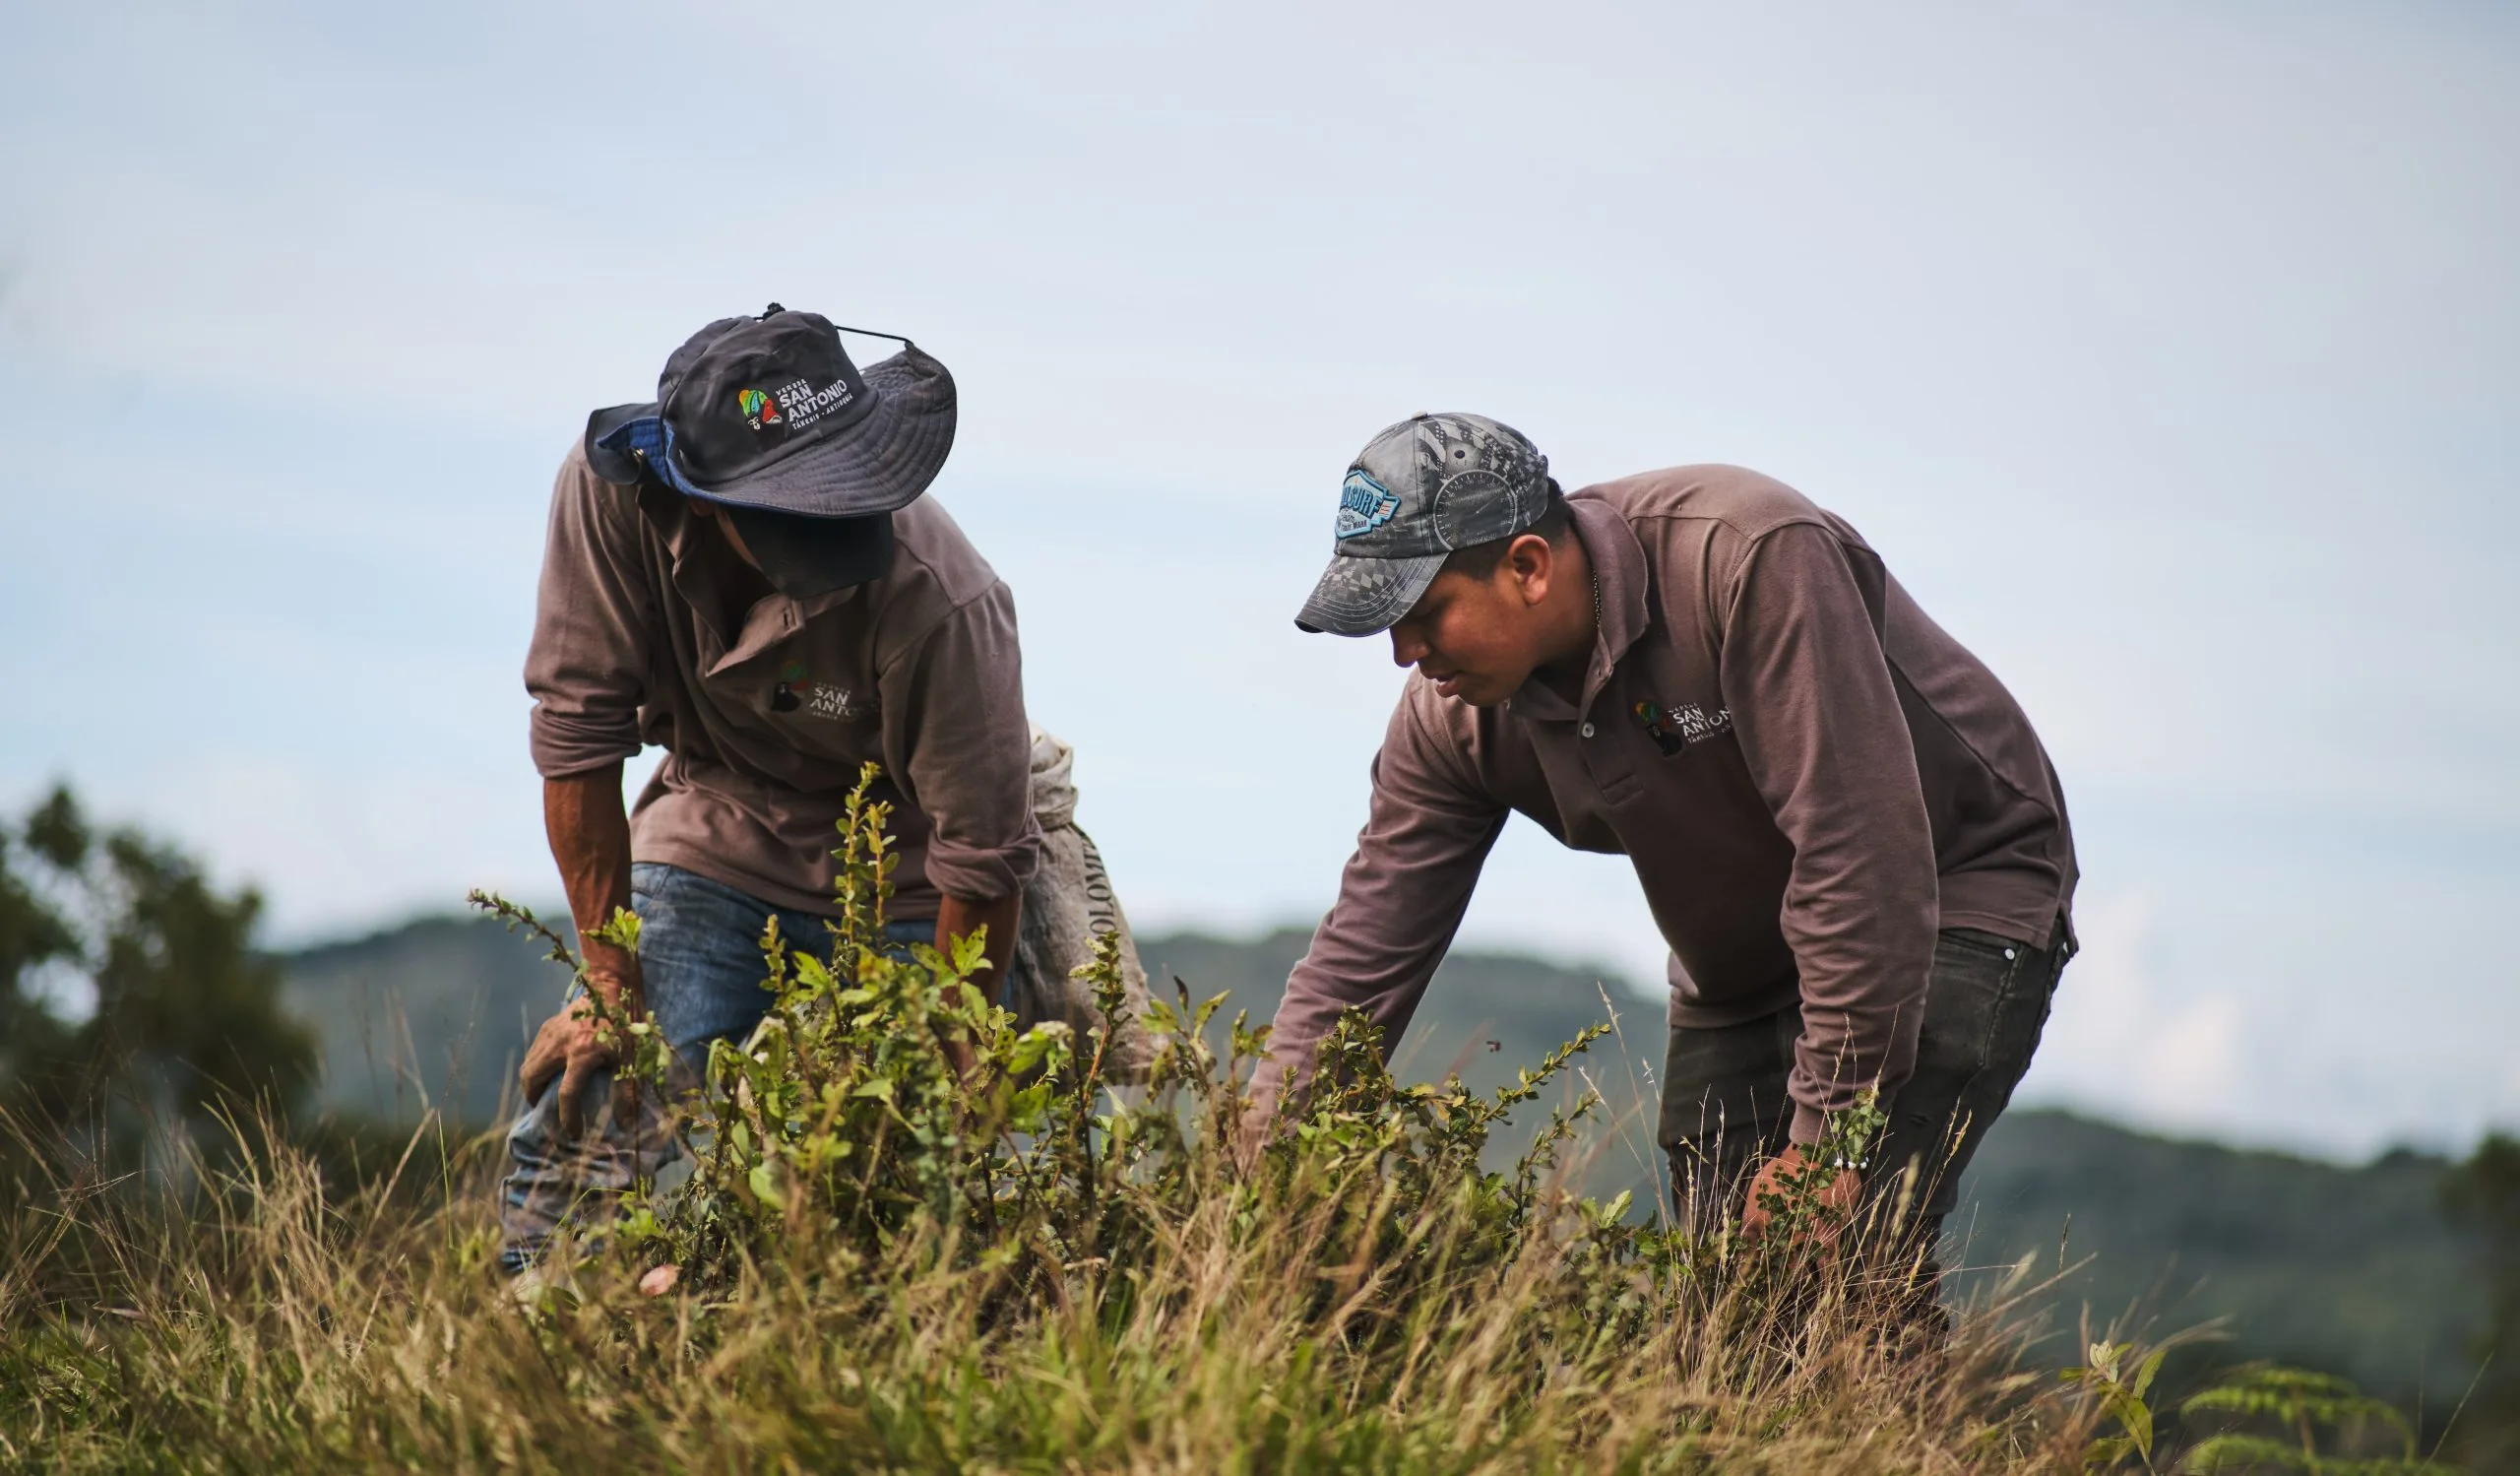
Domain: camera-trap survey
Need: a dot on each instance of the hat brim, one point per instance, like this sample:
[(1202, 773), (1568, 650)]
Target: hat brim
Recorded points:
[(803, 557), (880, 464), (1367, 596), (621, 468)]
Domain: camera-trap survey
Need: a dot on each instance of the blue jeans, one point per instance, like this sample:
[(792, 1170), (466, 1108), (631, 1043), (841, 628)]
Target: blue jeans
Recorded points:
[(700, 962)]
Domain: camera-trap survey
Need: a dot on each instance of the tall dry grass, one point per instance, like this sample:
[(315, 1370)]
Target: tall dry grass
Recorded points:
[(290, 1329), (878, 1265)]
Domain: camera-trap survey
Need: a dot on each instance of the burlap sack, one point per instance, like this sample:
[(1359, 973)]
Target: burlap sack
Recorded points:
[(1068, 903)]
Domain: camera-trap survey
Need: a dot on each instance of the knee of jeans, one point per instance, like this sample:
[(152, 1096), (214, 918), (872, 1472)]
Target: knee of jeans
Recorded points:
[(533, 1138), (530, 1136)]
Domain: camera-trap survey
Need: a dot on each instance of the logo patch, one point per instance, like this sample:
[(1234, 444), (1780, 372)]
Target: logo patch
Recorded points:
[(784, 698), (1674, 729), (758, 408), (1365, 504), (795, 691), (801, 404)]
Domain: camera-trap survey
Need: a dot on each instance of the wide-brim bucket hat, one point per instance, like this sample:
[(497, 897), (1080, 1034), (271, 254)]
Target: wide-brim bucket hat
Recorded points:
[(769, 418)]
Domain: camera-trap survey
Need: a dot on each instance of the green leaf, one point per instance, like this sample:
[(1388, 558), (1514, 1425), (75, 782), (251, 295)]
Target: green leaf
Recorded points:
[(2151, 1367), (1037, 1044), (622, 930), (765, 1186)]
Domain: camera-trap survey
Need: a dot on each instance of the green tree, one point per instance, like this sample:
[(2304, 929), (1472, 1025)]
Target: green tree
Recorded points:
[(2484, 1194), (187, 1015)]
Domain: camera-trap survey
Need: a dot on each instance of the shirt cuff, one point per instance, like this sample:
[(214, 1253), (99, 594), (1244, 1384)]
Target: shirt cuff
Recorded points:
[(565, 747), (982, 873)]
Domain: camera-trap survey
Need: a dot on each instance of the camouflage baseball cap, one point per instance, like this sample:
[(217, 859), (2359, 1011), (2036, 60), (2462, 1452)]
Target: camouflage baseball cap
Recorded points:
[(1420, 490)]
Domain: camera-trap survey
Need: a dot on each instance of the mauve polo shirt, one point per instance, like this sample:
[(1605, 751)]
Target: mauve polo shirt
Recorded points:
[(767, 714), (1809, 776)]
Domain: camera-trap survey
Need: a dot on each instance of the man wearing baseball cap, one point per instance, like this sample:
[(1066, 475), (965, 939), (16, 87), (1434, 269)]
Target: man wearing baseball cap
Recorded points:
[(745, 573), (1848, 832)]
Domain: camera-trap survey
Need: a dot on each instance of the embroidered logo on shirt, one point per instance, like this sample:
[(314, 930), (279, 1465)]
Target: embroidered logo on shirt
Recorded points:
[(758, 408), (1674, 729), (796, 691), (1365, 504)]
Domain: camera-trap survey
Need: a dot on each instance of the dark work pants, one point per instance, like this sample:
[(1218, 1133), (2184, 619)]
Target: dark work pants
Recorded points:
[(1725, 1110)]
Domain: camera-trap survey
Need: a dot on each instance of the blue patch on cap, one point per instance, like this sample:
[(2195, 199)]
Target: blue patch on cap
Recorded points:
[(1365, 504)]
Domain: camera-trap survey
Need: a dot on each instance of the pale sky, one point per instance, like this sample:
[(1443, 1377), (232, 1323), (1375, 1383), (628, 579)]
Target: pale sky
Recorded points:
[(2169, 353)]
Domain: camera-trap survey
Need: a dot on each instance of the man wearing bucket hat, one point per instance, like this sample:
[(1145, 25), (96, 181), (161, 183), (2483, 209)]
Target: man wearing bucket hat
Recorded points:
[(745, 573), (1845, 827)]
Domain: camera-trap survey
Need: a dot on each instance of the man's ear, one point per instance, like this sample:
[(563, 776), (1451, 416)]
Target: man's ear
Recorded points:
[(1533, 563)]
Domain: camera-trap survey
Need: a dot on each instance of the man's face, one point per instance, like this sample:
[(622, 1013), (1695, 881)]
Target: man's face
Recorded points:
[(1476, 638), (707, 512)]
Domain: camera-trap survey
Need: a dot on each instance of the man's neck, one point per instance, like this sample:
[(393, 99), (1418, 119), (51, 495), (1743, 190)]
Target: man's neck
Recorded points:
[(1574, 605), (736, 585)]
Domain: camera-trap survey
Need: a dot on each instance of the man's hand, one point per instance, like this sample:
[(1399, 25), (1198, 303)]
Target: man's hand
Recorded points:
[(574, 1045), (1776, 1180), (1252, 1130)]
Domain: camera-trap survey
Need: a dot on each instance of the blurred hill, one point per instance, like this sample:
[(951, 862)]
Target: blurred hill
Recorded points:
[(2350, 1270), (2347, 1269), (437, 1011), (433, 1013)]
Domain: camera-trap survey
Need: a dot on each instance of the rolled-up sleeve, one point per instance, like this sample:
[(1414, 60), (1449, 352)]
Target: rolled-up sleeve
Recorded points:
[(1820, 726), (1401, 898), (954, 724), (594, 628)]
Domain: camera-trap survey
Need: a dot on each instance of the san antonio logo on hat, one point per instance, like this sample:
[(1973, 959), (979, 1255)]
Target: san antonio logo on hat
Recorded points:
[(1365, 504), (804, 403), (758, 408)]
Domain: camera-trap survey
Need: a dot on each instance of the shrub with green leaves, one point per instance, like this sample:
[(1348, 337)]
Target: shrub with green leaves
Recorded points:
[(845, 1129)]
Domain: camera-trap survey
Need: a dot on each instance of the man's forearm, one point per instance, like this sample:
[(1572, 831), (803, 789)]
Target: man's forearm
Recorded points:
[(589, 837), (959, 917)]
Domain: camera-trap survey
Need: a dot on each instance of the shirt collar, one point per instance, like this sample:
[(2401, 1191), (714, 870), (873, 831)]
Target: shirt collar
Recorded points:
[(698, 562)]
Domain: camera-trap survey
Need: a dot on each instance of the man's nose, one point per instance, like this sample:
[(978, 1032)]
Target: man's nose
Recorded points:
[(1406, 649)]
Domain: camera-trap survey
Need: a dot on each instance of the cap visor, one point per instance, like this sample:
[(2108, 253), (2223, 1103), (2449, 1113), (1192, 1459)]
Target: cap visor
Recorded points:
[(803, 557), (1366, 596)]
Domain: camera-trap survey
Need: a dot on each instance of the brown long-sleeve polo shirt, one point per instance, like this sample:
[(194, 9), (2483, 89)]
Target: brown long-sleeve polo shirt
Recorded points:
[(1809, 775), (769, 710)]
